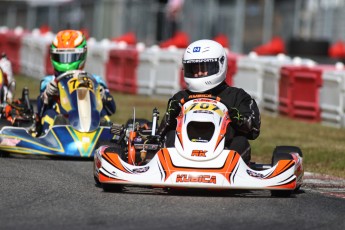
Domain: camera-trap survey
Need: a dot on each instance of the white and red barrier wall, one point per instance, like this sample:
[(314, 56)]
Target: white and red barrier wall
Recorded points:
[(295, 87)]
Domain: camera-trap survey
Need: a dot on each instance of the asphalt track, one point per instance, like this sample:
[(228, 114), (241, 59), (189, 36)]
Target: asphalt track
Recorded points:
[(43, 193)]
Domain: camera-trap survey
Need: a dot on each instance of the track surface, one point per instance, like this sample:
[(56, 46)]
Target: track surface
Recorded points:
[(42, 193)]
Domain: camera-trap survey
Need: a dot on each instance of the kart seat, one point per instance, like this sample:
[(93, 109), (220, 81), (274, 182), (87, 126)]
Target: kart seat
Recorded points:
[(200, 130)]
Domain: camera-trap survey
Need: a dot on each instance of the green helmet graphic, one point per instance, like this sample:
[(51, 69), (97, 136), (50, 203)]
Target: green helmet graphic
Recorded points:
[(68, 51)]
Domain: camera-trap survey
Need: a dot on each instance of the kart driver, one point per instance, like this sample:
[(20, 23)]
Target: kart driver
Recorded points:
[(68, 52), (205, 66)]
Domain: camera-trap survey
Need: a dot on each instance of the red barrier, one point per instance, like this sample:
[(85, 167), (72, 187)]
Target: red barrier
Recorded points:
[(12, 49), (232, 67), (299, 92), (3, 39), (121, 70), (337, 50), (48, 64), (130, 38), (223, 40), (273, 47), (182, 82), (180, 40)]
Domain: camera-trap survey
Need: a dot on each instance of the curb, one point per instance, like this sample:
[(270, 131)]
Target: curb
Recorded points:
[(328, 185)]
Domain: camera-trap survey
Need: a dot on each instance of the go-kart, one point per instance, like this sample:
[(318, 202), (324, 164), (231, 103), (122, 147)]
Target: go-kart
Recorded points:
[(77, 130), (196, 159), (18, 113)]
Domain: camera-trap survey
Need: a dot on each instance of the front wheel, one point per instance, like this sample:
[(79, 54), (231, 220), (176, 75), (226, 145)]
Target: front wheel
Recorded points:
[(112, 187), (4, 154), (281, 193), (97, 183), (283, 153)]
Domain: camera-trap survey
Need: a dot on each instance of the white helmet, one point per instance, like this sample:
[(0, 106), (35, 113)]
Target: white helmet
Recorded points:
[(205, 65)]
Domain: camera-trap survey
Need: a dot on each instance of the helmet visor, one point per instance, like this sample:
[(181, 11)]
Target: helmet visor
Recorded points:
[(67, 55), (200, 68)]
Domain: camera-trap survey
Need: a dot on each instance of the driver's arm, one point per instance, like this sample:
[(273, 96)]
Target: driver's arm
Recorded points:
[(251, 120), (169, 120)]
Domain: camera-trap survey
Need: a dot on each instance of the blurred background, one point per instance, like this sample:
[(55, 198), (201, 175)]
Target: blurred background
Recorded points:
[(307, 27)]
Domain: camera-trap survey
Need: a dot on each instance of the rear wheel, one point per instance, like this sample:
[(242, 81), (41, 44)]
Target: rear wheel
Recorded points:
[(283, 153), (97, 183)]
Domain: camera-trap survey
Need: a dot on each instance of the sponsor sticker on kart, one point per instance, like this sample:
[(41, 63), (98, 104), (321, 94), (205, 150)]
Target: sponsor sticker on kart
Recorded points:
[(189, 178), (255, 174), (9, 142), (206, 107)]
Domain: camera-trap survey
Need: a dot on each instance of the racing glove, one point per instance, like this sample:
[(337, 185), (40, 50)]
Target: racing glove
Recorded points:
[(240, 122), (236, 117), (116, 129), (119, 132), (51, 89), (169, 121), (174, 108)]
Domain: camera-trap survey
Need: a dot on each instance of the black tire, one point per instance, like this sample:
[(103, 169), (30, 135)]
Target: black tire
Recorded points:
[(283, 153), (112, 187), (4, 154), (4, 123), (281, 193), (97, 183)]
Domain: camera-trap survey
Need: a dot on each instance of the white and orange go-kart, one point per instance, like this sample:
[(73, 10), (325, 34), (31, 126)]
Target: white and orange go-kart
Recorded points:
[(198, 158)]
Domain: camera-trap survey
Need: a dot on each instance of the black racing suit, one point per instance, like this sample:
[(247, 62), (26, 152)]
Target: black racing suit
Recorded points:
[(240, 130)]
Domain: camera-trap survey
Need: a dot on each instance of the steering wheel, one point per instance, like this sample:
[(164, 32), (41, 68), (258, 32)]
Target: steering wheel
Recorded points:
[(74, 73)]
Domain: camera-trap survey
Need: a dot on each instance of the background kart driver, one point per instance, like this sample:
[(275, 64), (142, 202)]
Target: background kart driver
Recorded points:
[(205, 65), (68, 52)]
